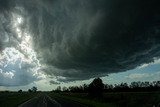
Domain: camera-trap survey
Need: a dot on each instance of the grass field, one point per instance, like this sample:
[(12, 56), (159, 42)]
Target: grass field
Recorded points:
[(116, 99), (13, 99), (81, 98)]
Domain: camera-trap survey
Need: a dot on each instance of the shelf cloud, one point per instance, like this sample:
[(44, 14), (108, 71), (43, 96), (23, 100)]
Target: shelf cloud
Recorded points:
[(81, 39)]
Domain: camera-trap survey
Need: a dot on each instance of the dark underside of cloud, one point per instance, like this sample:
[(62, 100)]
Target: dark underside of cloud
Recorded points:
[(80, 39)]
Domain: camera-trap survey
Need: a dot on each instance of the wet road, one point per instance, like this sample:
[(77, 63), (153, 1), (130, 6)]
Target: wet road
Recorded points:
[(44, 100)]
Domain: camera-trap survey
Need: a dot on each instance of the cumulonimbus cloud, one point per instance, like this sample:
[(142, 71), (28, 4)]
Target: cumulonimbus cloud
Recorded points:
[(80, 39)]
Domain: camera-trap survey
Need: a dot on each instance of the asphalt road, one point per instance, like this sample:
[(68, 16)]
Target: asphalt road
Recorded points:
[(44, 100)]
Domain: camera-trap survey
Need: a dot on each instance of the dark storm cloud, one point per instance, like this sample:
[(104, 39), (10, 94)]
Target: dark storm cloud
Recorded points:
[(80, 39), (4, 4), (7, 35)]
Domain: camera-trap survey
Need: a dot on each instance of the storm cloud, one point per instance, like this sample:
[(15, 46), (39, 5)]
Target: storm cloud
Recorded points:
[(81, 39)]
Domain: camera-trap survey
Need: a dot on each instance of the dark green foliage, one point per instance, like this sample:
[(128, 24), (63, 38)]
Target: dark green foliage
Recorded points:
[(58, 89), (29, 90), (96, 88), (13, 99), (133, 87), (20, 91), (33, 89)]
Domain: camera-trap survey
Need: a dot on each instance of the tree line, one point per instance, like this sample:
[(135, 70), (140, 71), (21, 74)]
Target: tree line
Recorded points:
[(97, 87)]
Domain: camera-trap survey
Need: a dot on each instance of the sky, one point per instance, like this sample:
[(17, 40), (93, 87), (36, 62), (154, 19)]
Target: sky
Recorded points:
[(47, 43)]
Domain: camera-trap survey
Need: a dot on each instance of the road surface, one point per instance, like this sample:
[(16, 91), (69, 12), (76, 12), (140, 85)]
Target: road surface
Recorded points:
[(44, 100)]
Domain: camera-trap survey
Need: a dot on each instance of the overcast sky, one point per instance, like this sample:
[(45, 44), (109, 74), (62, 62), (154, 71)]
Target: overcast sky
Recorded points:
[(46, 43)]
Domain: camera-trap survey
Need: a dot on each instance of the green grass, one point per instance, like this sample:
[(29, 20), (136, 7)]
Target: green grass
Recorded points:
[(132, 99), (10, 99), (83, 99), (115, 99), (112, 99)]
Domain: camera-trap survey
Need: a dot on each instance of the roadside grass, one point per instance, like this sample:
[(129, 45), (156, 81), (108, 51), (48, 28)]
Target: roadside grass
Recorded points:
[(13, 99), (83, 99), (114, 99), (132, 99)]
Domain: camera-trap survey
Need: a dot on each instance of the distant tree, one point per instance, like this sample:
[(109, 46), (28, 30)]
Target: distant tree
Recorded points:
[(64, 89), (34, 89), (134, 85), (96, 88), (29, 90), (20, 91), (158, 84), (58, 89), (108, 88), (146, 84), (85, 87), (76, 89)]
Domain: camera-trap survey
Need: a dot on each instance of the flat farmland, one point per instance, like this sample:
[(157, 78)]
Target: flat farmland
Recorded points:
[(110, 99), (115, 99), (13, 99)]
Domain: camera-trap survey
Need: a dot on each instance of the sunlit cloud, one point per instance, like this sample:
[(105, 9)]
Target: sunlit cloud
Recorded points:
[(19, 20), (137, 75), (20, 57), (6, 74)]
